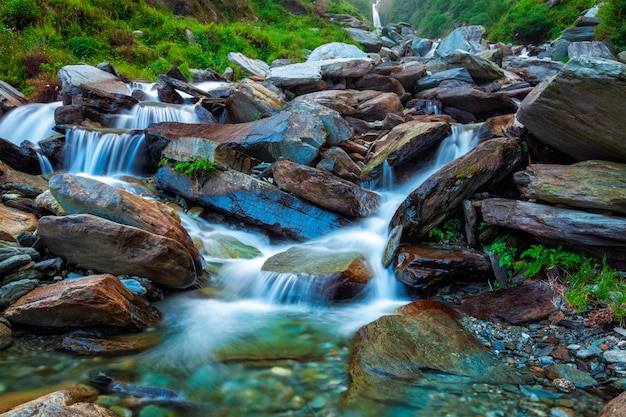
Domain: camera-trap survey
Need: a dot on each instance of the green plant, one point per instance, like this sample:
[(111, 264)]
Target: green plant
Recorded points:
[(21, 13), (450, 231), (84, 47), (504, 252), (195, 168)]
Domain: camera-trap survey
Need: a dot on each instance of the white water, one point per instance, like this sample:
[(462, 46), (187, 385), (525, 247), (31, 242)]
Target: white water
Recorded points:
[(148, 112), (32, 122), (375, 16)]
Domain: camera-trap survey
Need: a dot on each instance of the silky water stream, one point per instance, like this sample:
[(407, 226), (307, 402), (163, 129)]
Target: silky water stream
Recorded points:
[(260, 345)]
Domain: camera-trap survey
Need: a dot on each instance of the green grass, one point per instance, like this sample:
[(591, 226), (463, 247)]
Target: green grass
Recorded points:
[(194, 168)]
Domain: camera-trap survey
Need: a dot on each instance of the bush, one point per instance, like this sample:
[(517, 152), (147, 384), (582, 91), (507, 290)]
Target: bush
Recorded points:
[(21, 13), (84, 47)]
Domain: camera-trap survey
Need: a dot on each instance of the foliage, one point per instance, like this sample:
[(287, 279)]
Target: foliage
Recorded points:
[(504, 252), (449, 232), (612, 27), (84, 47), (193, 167), (19, 14)]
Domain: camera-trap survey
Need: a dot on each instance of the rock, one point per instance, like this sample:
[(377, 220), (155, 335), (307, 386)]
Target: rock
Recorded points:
[(13, 262), (456, 74), (293, 135), (183, 86), (408, 74), (578, 34), (423, 344), (568, 226), (29, 186), (379, 83), (83, 342), (331, 275), (500, 126), (336, 161), (587, 21), (12, 291), (480, 69), (559, 50), (250, 101), (91, 242), (374, 105), (253, 201), (77, 75), (168, 94), (403, 143), (347, 20), (534, 70), (589, 184), (370, 41), (615, 408), (421, 47), (446, 189), (45, 202), (337, 129), (615, 356), (81, 195), (94, 301), (554, 117), (579, 378), (249, 66), (524, 303), (302, 74), (10, 98), (19, 158), (346, 67), (482, 104), (341, 101), (335, 50), (14, 221), (466, 38), (325, 189), (590, 49), (426, 266), (98, 100), (75, 401), (222, 246)]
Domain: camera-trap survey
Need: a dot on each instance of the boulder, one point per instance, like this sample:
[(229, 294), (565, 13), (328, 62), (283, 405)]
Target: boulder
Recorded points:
[(408, 74), (336, 161), (90, 242), (302, 74), (76, 75), (89, 96), (456, 74), (321, 273), (374, 105), (346, 67), (444, 191), (249, 66), (426, 266), (422, 344), (466, 38), (335, 50), (534, 70), (183, 86), (337, 129), (82, 195), (615, 408), (93, 301), (572, 227), (342, 101), (249, 101), (293, 135), (325, 189), (10, 98), (370, 41), (529, 302), (592, 184), (379, 83), (14, 221), (482, 104), (29, 186), (578, 34), (256, 202), (590, 49), (23, 159), (480, 69), (403, 143), (554, 117)]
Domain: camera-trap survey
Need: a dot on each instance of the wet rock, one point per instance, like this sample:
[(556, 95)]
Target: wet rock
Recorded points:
[(14, 221), (466, 38), (250, 66), (76, 401), (29, 186), (425, 266), (424, 343), (500, 126), (227, 247), (589, 184), (334, 275), (23, 159), (77, 75), (98, 100), (168, 94), (446, 189), (336, 161), (529, 302), (249, 101), (568, 226), (576, 377), (92, 242), (615, 408), (534, 70), (293, 135), (80, 195), (554, 117), (337, 129), (183, 86), (94, 301), (253, 201), (10, 98), (325, 189), (615, 356), (481, 104), (83, 342)]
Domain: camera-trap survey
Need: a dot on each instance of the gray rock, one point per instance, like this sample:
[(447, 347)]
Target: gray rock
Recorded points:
[(555, 118), (250, 66), (615, 356), (457, 74), (591, 49), (9, 264), (13, 291), (466, 38), (76, 75), (250, 100), (346, 67), (578, 34), (421, 47), (337, 129), (336, 50), (370, 41), (10, 97), (560, 49), (307, 73), (481, 69), (534, 70)]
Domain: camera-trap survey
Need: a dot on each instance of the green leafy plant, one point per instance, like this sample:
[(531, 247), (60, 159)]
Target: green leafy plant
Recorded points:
[(449, 232), (194, 167), (21, 13), (504, 252)]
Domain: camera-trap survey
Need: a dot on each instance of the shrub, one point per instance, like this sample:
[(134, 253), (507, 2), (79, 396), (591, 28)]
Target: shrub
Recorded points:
[(84, 47), (21, 13)]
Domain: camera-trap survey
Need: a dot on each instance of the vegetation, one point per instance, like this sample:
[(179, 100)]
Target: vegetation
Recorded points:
[(146, 37), (448, 232), (194, 168), (592, 285)]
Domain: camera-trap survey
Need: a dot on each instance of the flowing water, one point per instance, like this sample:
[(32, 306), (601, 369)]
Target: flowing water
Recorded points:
[(259, 344)]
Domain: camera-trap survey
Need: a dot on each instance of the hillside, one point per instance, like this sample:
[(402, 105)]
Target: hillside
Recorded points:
[(515, 21), (145, 38)]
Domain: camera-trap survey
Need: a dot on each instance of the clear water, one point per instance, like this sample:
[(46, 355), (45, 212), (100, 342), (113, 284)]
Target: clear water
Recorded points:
[(261, 345)]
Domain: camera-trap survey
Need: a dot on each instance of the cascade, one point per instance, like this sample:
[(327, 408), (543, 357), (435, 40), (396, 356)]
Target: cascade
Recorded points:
[(375, 15), (32, 122), (145, 113)]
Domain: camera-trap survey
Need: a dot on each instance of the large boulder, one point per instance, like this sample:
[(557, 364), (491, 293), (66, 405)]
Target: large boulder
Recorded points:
[(94, 301), (335, 50), (325, 189), (375, 106), (370, 41), (322, 274), (82, 195), (256, 202), (466, 38), (337, 129), (14, 222), (482, 104), (534, 70), (91, 242), (249, 101), (10, 98), (76, 75), (249, 66), (342, 101), (294, 135), (480, 69), (563, 112), (589, 184)]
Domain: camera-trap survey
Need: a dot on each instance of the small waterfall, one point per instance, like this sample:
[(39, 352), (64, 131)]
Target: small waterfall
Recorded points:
[(148, 112), (103, 153), (31, 122), (375, 15), (433, 48)]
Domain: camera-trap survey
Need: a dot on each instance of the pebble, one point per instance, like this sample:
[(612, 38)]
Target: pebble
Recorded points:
[(563, 385), (318, 402)]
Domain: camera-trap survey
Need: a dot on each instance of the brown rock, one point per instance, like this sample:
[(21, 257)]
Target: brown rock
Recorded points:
[(325, 189), (91, 242), (529, 302), (615, 408), (374, 105), (19, 158), (27, 185), (482, 104), (336, 161), (14, 221), (379, 83), (94, 301), (341, 101), (83, 342)]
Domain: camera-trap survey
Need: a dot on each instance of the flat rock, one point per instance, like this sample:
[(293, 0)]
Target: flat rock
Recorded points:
[(615, 408), (91, 342), (534, 70), (14, 221), (250, 66), (94, 301), (76, 75), (249, 101), (342, 101), (524, 303), (335, 50)]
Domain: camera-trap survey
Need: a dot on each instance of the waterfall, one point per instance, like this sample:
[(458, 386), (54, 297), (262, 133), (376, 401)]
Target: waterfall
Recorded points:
[(375, 15), (145, 113), (32, 122), (103, 152)]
